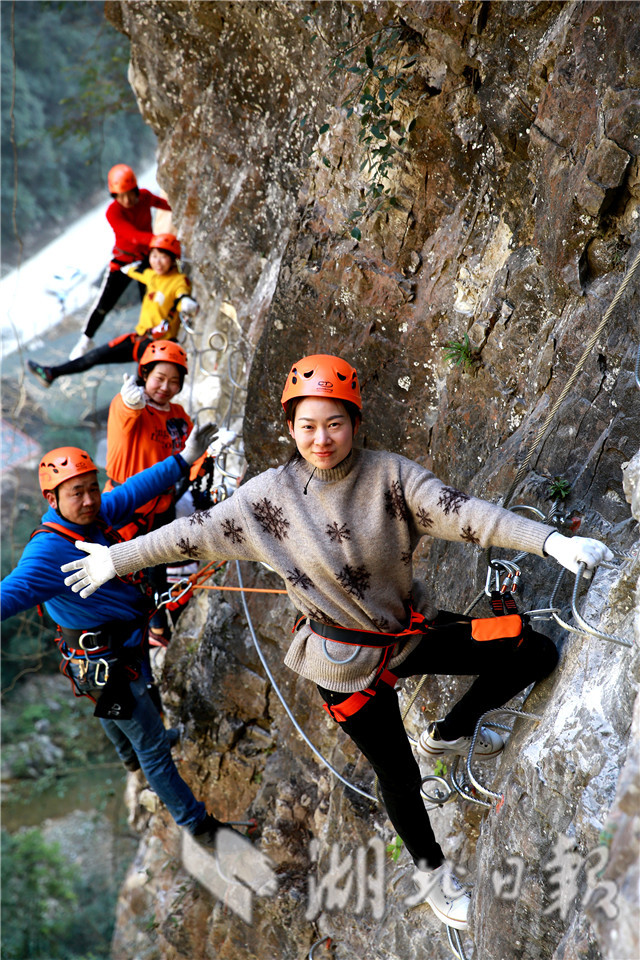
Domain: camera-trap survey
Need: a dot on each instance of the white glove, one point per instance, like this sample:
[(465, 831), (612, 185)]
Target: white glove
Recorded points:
[(188, 306), (92, 571), (130, 266), (570, 551), (131, 393), (160, 331), (198, 441)]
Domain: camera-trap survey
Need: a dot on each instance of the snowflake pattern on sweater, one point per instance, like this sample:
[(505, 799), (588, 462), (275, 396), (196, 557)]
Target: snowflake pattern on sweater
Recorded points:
[(188, 549), (424, 519), (451, 500), (271, 518), (355, 580), (470, 536), (338, 534), (299, 579), (234, 533), (198, 518), (394, 502)]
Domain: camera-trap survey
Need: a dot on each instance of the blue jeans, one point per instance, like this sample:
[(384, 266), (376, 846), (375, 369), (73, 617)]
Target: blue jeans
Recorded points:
[(144, 737)]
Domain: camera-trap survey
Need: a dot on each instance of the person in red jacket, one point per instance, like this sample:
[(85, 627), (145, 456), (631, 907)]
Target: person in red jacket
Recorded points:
[(129, 215)]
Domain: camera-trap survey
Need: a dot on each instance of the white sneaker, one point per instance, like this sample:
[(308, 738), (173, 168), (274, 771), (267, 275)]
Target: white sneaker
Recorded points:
[(444, 893), (83, 346), (488, 744)]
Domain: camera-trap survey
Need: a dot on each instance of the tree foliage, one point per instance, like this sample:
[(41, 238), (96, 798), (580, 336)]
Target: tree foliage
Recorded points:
[(72, 112)]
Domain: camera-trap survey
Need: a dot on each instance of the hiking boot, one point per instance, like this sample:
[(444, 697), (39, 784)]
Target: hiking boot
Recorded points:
[(42, 373), (446, 896), (83, 346), (488, 744), (206, 831)]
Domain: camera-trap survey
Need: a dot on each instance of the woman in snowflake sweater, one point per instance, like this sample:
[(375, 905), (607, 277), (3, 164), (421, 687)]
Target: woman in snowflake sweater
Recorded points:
[(340, 526)]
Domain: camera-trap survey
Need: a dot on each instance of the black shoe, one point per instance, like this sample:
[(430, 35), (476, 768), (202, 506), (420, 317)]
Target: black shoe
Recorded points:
[(205, 832), (132, 765), (42, 373)]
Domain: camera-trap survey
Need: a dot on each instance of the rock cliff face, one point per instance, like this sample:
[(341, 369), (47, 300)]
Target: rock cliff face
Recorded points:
[(512, 216)]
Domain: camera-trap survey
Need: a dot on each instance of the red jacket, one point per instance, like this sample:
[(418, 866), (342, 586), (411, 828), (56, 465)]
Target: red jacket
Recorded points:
[(133, 228)]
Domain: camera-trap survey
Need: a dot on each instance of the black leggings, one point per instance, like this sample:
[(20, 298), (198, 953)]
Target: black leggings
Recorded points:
[(113, 286), (502, 669), (121, 350)]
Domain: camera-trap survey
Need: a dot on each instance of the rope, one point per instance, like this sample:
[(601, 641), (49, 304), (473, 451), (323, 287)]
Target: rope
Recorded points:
[(587, 350), (207, 586), (284, 703)]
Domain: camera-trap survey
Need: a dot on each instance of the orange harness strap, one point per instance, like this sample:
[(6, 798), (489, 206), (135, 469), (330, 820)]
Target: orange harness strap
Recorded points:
[(342, 711)]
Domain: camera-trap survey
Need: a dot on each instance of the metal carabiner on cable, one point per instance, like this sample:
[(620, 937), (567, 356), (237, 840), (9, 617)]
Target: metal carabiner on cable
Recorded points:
[(162, 599), (512, 571)]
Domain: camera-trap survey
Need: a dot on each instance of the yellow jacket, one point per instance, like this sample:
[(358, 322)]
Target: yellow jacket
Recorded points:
[(159, 301)]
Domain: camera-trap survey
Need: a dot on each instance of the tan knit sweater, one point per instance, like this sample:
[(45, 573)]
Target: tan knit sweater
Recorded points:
[(344, 548)]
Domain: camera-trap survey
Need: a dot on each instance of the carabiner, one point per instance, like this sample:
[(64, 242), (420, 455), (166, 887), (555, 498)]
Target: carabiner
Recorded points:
[(88, 633), (183, 585), (96, 679)]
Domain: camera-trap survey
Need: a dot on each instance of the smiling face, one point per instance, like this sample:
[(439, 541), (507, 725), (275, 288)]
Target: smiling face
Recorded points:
[(160, 261), (77, 499), (163, 383), (322, 431)]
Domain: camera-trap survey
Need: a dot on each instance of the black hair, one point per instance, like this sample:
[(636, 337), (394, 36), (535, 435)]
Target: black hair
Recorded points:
[(148, 367), (137, 191), (355, 415), (169, 253)]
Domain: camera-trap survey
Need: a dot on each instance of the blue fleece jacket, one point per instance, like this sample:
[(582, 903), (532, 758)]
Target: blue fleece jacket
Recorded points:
[(38, 578)]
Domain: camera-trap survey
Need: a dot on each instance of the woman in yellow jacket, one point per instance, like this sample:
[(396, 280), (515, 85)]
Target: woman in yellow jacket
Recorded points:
[(167, 299)]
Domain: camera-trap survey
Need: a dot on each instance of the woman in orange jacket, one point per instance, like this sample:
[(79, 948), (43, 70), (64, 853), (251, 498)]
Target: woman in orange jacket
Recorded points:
[(144, 427)]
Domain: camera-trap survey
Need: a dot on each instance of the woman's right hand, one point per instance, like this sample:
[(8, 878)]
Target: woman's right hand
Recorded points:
[(92, 571), (132, 394)]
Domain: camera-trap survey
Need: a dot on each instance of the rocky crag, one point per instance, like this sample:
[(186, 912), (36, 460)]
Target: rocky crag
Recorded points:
[(511, 217)]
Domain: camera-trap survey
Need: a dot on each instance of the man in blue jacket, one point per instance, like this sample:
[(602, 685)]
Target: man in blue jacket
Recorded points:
[(102, 641)]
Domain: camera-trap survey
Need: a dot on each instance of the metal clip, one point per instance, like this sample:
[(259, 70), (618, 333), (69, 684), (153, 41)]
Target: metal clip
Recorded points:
[(183, 585), (96, 679), (511, 580), (88, 633)]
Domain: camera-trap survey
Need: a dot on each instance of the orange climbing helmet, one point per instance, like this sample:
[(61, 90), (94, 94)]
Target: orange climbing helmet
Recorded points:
[(164, 350), (121, 179), (167, 242), (62, 464), (322, 375)]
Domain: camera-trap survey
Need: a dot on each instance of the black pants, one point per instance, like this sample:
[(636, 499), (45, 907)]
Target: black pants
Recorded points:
[(113, 286), (502, 669), (121, 350)]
